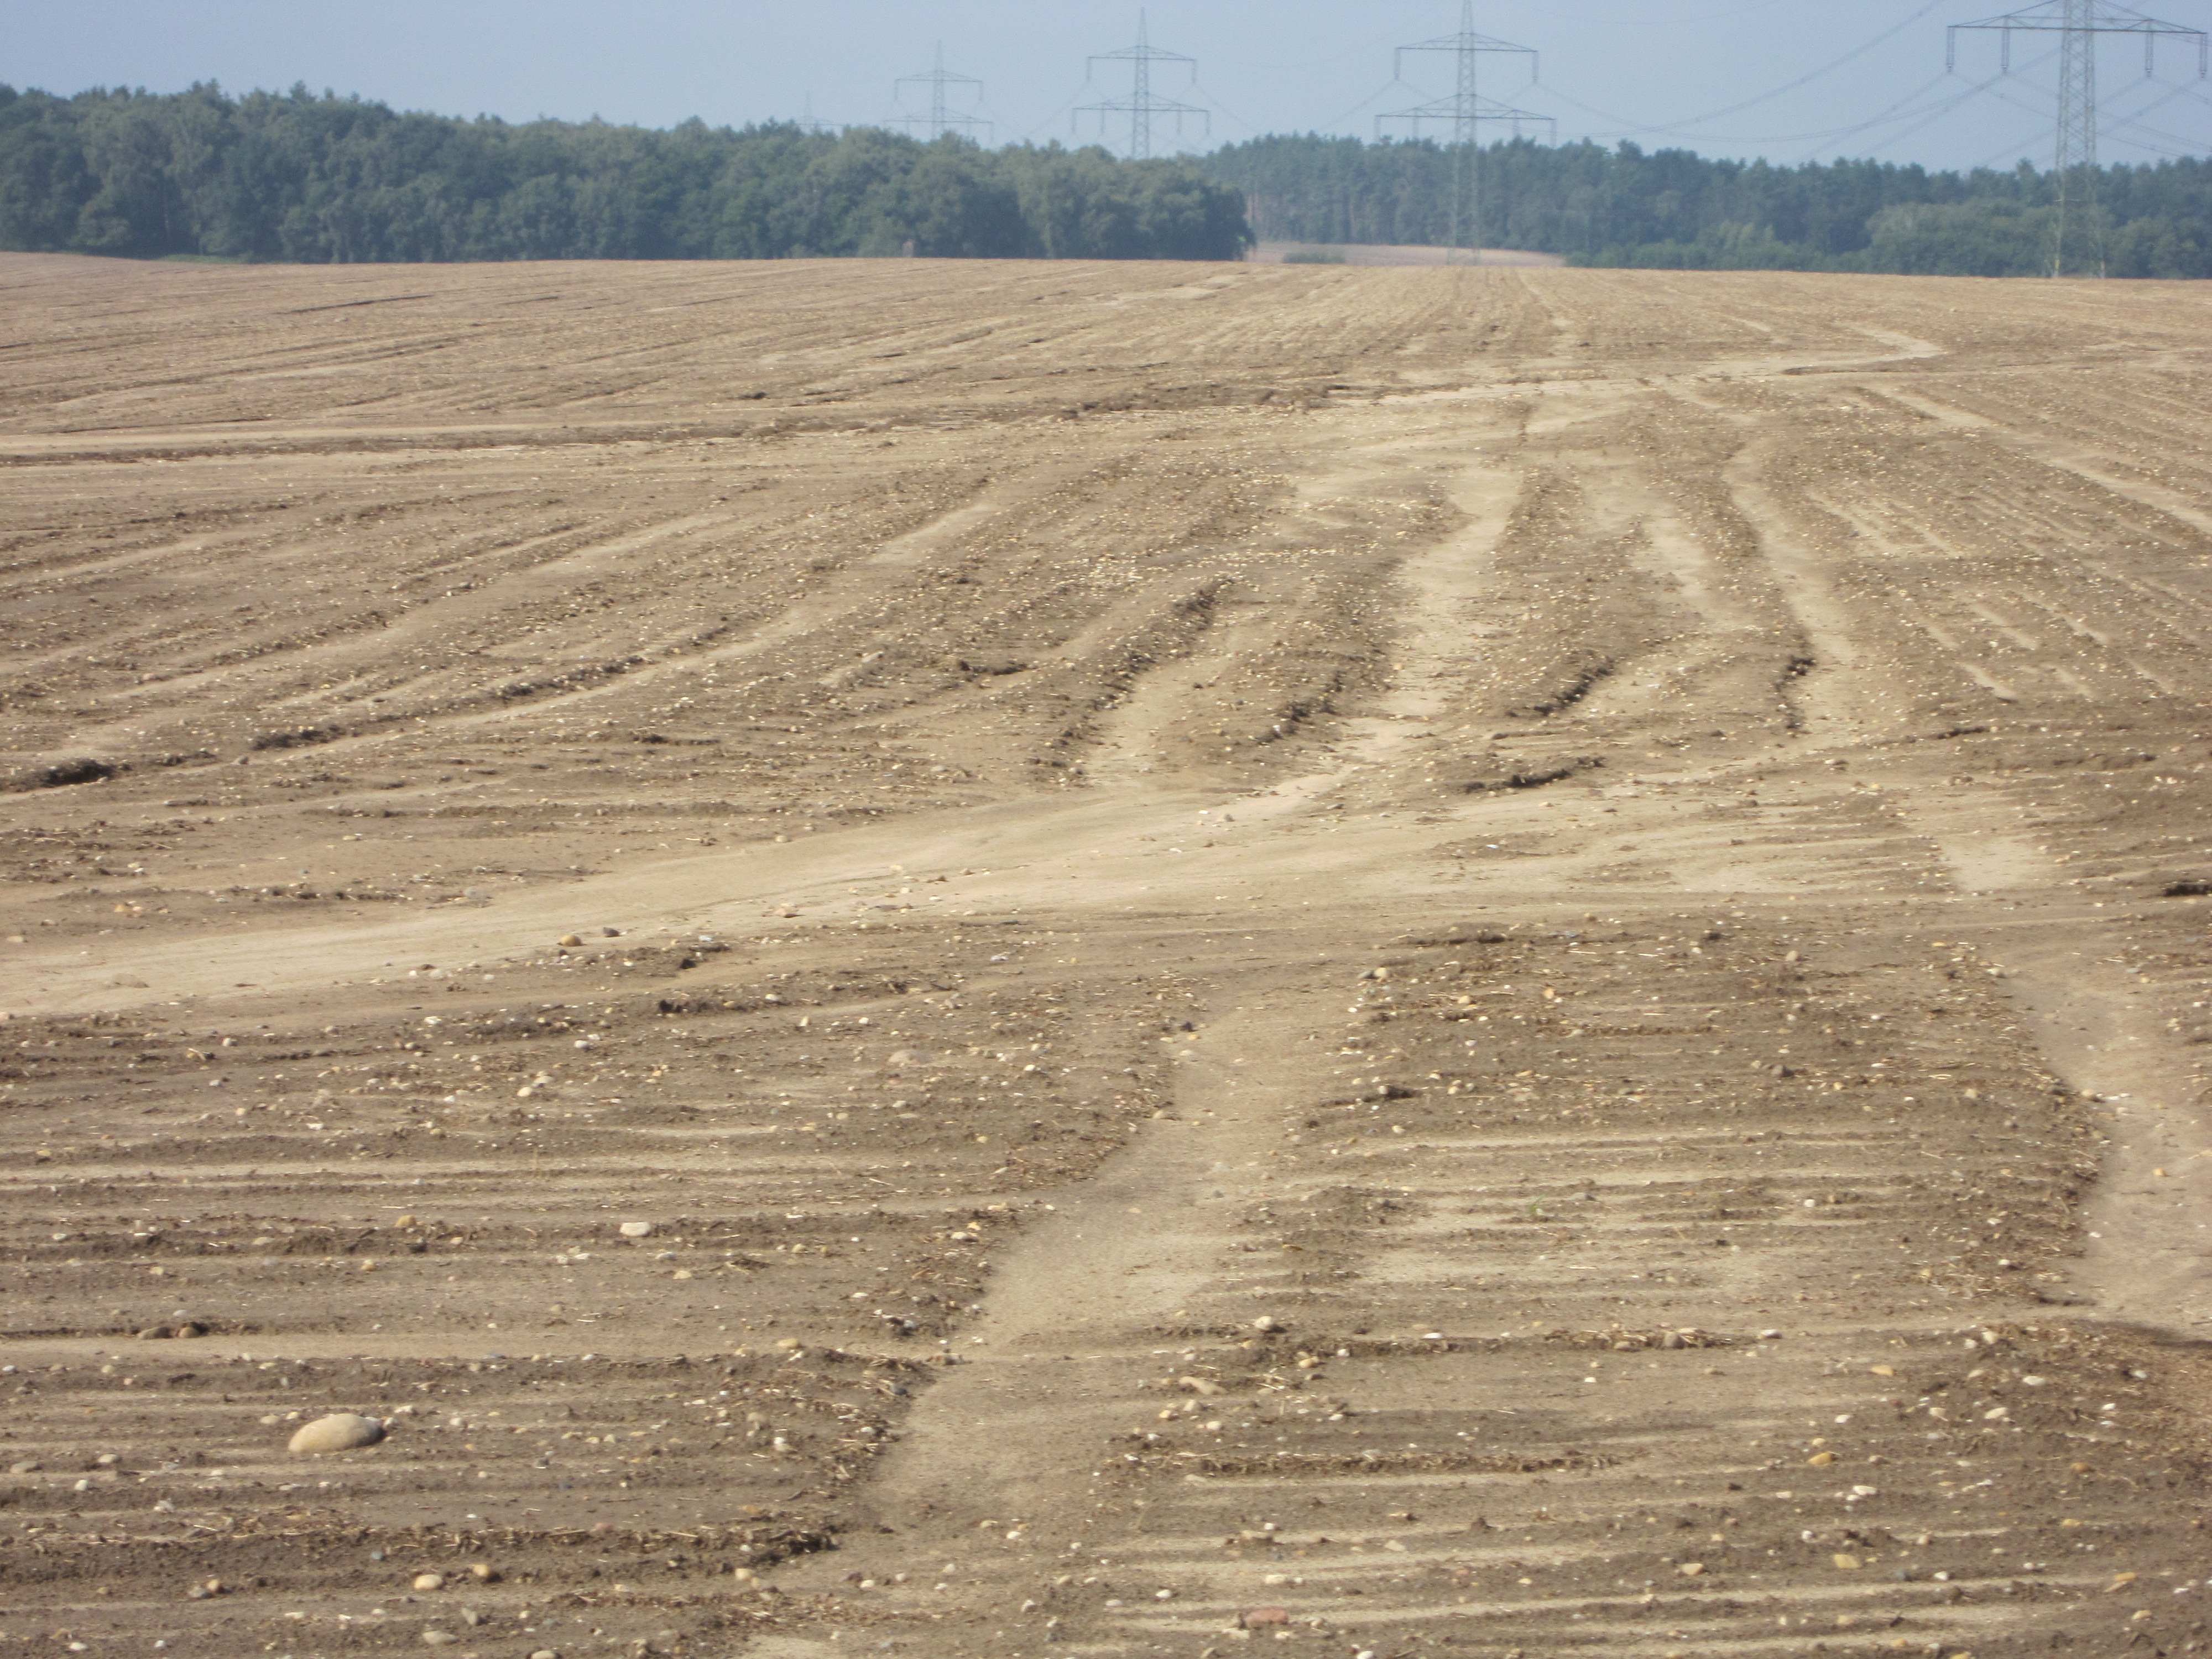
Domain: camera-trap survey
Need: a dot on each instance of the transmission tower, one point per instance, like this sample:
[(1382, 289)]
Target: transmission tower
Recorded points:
[(1143, 106), (2078, 24), (1466, 109), (942, 118)]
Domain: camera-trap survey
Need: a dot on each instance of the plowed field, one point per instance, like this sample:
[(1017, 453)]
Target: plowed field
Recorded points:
[(1033, 960)]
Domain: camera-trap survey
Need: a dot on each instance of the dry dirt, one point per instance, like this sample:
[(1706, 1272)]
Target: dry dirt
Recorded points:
[(1399, 962)]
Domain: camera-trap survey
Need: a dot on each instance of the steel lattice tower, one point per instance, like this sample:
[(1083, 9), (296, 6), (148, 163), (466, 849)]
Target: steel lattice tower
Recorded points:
[(942, 118), (1141, 105), (1466, 109), (2080, 220)]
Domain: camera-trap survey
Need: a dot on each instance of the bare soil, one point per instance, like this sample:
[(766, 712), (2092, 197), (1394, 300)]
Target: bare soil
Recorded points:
[(1398, 961)]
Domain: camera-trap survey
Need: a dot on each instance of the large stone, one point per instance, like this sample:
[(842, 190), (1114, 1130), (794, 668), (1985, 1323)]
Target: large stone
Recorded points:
[(340, 1431)]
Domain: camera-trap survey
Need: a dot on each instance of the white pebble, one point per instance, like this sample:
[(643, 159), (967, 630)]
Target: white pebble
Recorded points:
[(340, 1431)]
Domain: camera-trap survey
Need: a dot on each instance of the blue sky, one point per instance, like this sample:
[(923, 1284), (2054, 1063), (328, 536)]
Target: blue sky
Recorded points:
[(1663, 72)]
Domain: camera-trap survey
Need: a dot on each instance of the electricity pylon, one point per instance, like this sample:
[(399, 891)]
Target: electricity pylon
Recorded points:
[(1466, 109), (2078, 24), (942, 118), (1142, 106)]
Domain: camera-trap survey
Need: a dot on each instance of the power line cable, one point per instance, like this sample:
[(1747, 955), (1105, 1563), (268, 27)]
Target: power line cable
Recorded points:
[(1895, 113), (2018, 149), (1207, 93), (2021, 146), (2190, 148), (1942, 111), (1922, 90), (1382, 92), (2172, 92), (1670, 23), (1890, 117), (2107, 127), (2174, 89), (1938, 111), (1892, 114), (1053, 119), (1852, 55), (1682, 128), (2112, 126), (2004, 99)]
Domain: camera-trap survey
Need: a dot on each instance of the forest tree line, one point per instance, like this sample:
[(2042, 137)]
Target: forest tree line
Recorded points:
[(1673, 208), (317, 178), (311, 178)]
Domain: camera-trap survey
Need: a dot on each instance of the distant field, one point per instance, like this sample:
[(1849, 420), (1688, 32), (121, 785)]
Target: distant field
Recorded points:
[(1357, 253), (1025, 959)]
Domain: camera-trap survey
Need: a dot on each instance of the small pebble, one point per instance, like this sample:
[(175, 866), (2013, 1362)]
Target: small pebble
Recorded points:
[(637, 1230), (340, 1431), (430, 1580), (571, 940)]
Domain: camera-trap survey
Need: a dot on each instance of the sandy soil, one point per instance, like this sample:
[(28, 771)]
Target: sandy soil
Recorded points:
[(1404, 961)]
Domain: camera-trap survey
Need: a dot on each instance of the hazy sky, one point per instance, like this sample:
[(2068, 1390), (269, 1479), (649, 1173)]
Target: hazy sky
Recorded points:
[(1663, 72)]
